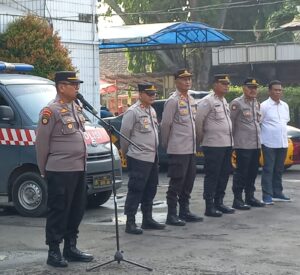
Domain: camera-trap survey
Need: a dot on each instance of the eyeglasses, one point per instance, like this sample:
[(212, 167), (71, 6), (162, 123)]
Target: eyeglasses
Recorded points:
[(150, 93), (75, 84), (224, 83)]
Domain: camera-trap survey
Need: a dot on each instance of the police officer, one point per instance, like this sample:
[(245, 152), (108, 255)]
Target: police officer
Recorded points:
[(214, 133), (140, 125), (61, 156), (178, 137), (245, 117)]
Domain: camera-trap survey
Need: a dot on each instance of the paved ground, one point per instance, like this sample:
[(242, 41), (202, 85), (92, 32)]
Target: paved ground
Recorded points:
[(259, 241)]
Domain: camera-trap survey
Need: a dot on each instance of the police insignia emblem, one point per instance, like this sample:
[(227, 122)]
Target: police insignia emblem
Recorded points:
[(45, 121), (63, 110), (70, 126), (233, 107), (46, 114)]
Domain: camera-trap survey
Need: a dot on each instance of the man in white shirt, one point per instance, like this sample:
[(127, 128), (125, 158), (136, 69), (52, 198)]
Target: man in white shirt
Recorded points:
[(275, 116)]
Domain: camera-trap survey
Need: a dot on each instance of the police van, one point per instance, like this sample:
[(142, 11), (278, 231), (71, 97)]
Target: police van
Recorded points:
[(21, 99)]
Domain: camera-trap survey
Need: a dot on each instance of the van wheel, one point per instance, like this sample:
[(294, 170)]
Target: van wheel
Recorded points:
[(29, 194), (97, 199)]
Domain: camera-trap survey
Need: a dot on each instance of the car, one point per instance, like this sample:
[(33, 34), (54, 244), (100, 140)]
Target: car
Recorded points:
[(294, 136), (21, 185), (158, 105)]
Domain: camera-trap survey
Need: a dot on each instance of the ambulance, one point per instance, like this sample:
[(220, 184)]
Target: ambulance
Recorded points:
[(22, 97)]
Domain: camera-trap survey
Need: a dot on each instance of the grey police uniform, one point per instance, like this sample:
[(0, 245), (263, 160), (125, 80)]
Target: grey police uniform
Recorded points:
[(61, 156), (214, 133), (245, 115), (178, 136), (140, 125), (213, 124)]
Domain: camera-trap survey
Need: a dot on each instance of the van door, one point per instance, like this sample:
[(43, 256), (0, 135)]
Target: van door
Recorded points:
[(9, 144)]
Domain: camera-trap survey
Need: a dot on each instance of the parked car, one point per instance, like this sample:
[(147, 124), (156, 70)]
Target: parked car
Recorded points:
[(294, 136), (21, 99)]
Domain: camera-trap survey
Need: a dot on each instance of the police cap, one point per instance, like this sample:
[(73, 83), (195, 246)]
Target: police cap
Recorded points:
[(182, 73), (250, 81), (147, 88), (66, 76), (221, 78)]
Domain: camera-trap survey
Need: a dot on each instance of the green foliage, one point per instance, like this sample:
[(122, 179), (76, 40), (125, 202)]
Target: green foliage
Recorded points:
[(291, 96), (31, 40), (249, 15)]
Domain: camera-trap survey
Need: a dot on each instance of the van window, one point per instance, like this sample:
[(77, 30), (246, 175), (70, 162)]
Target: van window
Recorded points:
[(32, 98)]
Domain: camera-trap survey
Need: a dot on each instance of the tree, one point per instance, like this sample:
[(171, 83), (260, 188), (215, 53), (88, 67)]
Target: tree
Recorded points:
[(31, 40)]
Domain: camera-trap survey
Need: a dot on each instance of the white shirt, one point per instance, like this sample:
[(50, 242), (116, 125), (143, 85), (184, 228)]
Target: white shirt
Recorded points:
[(275, 117)]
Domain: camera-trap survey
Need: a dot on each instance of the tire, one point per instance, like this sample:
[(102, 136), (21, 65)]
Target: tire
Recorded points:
[(29, 194), (98, 199)]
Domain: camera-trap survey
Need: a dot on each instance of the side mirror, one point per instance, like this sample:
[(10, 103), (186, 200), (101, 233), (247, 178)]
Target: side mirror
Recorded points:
[(6, 114)]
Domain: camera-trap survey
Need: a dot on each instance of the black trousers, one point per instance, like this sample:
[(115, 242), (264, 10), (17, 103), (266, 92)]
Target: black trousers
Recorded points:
[(66, 205), (217, 168), (142, 185), (182, 173), (247, 163)]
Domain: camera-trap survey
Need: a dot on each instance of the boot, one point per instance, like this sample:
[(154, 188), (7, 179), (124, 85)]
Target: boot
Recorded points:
[(239, 204), (73, 254), (186, 215), (219, 205), (252, 201), (131, 227), (210, 209), (172, 218), (149, 223), (54, 256)]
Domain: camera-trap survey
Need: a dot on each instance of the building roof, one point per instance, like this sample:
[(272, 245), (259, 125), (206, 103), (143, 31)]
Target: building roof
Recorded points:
[(160, 34)]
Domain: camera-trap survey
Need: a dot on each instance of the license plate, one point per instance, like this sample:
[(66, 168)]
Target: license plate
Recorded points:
[(99, 181)]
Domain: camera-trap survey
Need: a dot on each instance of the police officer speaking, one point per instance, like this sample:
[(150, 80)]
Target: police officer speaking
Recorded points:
[(179, 138), (214, 133), (139, 124), (61, 156), (245, 117)]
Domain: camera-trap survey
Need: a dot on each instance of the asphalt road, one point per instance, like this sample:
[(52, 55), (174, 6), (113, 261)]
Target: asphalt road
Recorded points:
[(259, 241)]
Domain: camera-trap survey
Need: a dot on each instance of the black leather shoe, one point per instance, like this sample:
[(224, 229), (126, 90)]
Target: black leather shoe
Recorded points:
[(254, 202), (174, 220), (240, 205), (132, 228), (149, 223), (190, 217), (225, 209), (212, 212), (72, 254), (55, 259)]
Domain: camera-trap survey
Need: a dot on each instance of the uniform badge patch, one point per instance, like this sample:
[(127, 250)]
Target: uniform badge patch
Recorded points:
[(233, 107), (70, 126), (46, 114)]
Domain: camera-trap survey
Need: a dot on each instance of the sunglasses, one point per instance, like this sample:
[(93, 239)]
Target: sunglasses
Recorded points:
[(150, 93), (75, 84)]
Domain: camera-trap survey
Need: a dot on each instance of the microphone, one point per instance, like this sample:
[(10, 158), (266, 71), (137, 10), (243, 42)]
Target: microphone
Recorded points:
[(85, 104)]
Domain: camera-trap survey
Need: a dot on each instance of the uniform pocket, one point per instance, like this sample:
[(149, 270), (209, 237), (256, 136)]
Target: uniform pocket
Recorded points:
[(68, 126), (144, 124), (247, 116), (219, 112)]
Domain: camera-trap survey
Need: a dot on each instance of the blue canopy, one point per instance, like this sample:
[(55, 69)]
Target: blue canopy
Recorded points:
[(160, 34)]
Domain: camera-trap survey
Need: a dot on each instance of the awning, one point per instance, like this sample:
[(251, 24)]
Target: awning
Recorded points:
[(292, 26), (107, 88), (160, 34)]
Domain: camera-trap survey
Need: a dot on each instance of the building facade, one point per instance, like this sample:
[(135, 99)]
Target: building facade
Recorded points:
[(75, 22)]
